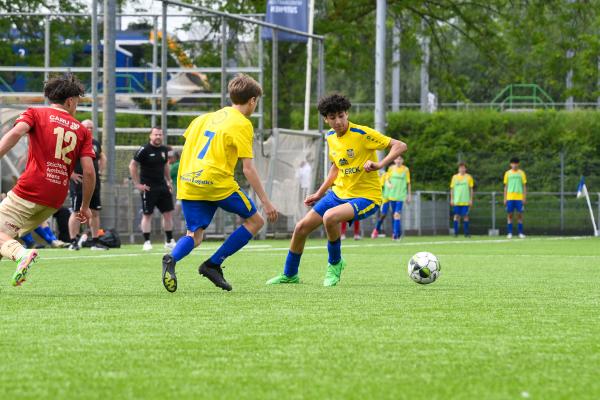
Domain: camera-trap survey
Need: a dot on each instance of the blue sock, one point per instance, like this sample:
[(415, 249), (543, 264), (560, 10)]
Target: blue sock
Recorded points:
[(509, 227), (466, 227), (520, 228), (379, 222), (397, 227), (292, 262), (28, 239), (45, 233), (455, 227), (335, 251), (184, 246), (238, 239)]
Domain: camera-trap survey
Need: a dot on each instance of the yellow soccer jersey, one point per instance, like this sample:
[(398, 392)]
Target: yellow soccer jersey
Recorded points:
[(514, 181), (349, 153), (213, 144)]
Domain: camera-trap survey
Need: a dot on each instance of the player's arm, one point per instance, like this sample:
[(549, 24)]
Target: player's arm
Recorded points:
[(135, 176), (505, 193), (89, 184), (102, 163), (313, 198), (471, 198), (396, 148), (12, 137), (251, 175), (409, 197), (524, 193)]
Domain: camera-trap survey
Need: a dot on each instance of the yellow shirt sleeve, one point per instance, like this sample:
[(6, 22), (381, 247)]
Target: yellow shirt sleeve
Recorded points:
[(243, 141), (523, 177), (376, 140), (506, 177), (471, 181), (452, 181), (407, 175)]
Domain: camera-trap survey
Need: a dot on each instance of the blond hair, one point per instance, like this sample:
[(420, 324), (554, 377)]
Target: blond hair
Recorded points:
[(242, 88)]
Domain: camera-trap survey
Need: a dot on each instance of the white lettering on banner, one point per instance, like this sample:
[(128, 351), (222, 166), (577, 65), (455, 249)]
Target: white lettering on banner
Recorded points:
[(284, 10)]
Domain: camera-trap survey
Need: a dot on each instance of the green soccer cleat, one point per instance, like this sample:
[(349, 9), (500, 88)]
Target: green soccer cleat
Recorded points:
[(23, 265), (334, 272), (283, 278)]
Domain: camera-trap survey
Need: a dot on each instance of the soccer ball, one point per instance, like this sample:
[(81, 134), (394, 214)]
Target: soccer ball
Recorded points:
[(424, 268)]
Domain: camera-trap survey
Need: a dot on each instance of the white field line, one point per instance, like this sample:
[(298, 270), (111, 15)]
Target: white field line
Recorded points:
[(268, 248)]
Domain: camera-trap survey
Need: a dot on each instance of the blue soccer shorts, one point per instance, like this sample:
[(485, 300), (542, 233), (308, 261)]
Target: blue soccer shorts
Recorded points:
[(514, 205), (396, 206), (198, 214), (363, 208), (385, 207), (462, 211)]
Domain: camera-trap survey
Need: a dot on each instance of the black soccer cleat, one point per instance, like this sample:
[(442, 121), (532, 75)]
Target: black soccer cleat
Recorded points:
[(214, 273), (168, 273)]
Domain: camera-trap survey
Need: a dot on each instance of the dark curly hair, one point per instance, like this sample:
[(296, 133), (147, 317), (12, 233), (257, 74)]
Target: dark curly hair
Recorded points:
[(515, 160), (333, 104), (59, 88)]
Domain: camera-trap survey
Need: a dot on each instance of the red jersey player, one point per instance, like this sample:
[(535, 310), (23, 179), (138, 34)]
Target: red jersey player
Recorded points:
[(56, 141)]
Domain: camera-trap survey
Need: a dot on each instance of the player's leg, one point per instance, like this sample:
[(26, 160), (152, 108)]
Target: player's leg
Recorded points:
[(465, 214), (148, 203), (166, 206), (46, 233), (397, 210), (343, 229), (509, 218), (382, 215), (197, 215), (520, 219), (74, 224), (311, 221), (357, 230), (28, 240), (237, 203), (95, 228)]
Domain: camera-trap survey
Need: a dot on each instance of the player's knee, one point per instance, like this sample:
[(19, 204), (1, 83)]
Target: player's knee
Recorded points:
[(397, 215), (330, 218), (302, 227), (255, 223)]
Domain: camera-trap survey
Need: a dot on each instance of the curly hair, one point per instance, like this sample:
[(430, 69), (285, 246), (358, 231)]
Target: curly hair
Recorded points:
[(333, 104), (59, 88)]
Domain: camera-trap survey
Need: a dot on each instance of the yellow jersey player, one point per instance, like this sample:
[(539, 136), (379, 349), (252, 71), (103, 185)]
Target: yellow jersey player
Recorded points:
[(515, 196), (399, 191), (214, 143), (461, 197), (357, 191)]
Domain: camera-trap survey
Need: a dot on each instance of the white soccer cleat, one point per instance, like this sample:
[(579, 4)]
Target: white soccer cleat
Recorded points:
[(343, 236), (147, 246), (521, 236), (59, 244), (170, 245), (357, 237), (509, 236)]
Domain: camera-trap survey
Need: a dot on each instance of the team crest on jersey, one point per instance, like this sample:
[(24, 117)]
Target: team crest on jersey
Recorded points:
[(163, 156), (350, 153), (74, 126), (343, 161)]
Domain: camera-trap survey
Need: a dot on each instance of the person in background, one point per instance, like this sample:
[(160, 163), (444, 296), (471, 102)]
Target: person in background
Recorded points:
[(95, 204), (344, 228), (515, 196), (151, 175), (461, 197), (45, 232), (399, 191), (304, 176), (384, 206), (173, 168)]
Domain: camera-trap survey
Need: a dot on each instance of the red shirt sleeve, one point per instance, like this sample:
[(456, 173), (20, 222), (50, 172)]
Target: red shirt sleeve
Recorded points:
[(87, 147), (27, 116)]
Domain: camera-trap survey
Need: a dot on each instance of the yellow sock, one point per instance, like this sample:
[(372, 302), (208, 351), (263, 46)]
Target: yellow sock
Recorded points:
[(12, 249)]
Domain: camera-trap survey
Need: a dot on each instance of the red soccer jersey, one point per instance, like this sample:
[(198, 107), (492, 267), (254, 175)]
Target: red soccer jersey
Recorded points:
[(56, 142)]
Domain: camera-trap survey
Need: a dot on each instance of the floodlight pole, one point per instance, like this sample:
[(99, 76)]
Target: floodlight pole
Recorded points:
[(108, 99), (380, 68), (424, 68), (46, 48), (223, 61), (163, 73), (396, 37), (95, 67), (309, 57), (154, 65)]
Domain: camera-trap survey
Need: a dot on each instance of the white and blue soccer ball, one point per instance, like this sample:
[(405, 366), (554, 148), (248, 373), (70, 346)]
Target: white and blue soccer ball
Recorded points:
[(424, 268)]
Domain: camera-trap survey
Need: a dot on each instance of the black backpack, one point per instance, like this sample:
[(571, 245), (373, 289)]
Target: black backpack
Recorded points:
[(110, 239)]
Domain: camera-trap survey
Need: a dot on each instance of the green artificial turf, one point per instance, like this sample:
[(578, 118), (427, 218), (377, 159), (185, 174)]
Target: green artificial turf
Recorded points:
[(506, 320)]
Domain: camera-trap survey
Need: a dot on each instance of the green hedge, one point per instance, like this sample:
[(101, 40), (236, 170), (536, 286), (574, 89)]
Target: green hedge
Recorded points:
[(486, 140)]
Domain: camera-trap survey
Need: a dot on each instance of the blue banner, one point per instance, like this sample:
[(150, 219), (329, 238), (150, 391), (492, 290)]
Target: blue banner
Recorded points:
[(289, 13)]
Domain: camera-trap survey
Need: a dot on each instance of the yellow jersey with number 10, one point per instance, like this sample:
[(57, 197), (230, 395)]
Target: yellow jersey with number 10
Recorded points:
[(213, 144), (349, 153)]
